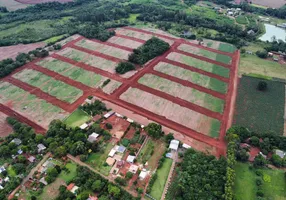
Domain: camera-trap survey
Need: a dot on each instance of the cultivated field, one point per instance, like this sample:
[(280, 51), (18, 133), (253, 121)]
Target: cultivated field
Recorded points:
[(105, 49), (29, 105), (12, 5), (194, 77), (172, 111), (200, 64), (125, 42), (49, 85), (270, 4)]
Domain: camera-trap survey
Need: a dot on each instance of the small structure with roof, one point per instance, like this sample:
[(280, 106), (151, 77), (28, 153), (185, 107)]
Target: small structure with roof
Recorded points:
[(83, 126), (130, 159), (112, 153), (70, 186), (17, 141), (2, 169), (31, 159), (110, 161), (42, 180), (280, 153), (186, 146), (250, 32), (109, 114), (93, 137), (174, 145), (120, 164), (20, 151), (92, 198), (130, 120), (41, 147), (120, 149), (74, 189), (133, 169), (143, 174), (119, 115)]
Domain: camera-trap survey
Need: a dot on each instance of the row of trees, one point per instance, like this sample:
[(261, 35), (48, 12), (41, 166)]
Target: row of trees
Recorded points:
[(149, 50), (95, 108), (124, 67)]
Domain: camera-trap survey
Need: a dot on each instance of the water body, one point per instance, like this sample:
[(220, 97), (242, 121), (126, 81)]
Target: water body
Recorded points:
[(271, 30)]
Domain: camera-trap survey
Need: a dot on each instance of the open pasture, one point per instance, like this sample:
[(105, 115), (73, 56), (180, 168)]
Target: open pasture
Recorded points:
[(49, 85), (200, 64), (193, 77), (174, 112), (105, 49), (186, 93), (29, 105)]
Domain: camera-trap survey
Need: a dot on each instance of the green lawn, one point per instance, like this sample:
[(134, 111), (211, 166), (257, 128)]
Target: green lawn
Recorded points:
[(159, 184), (67, 177), (11, 172), (226, 47), (260, 111), (245, 183), (241, 20), (77, 118), (146, 152), (54, 39)]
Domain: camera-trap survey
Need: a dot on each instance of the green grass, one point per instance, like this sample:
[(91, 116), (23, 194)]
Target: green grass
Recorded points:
[(245, 186), (146, 152), (158, 187), (77, 118), (215, 128), (11, 172), (226, 47), (49, 85), (55, 39), (132, 18), (260, 111), (241, 20), (67, 177)]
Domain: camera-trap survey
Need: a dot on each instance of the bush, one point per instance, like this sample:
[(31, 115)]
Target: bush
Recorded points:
[(105, 82), (108, 126), (259, 193), (124, 67), (129, 175), (262, 54), (121, 181), (258, 181), (262, 86), (125, 142)]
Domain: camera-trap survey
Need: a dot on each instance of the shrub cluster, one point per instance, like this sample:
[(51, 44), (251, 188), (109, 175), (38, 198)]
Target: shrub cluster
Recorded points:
[(94, 108), (124, 67)]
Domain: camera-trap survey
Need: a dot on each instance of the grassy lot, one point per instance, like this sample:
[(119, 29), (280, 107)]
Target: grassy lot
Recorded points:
[(88, 78), (241, 19), (97, 160), (186, 93), (226, 47), (54, 39), (209, 67), (67, 177), (77, 118), (11, 172), (194, 77), (260, 111), (245, 187), (215, 127), (146, 152), (251, 64), (47, 84), (159, 184)]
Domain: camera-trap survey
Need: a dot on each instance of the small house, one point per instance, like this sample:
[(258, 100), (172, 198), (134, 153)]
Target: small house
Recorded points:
[(42, 180), (110, 161), (280, 153), (130, 159), (41, 147), (74, 189), (93, 137), (31, 159), (174, 145), (92, 198), (20, 151), (70, 186), (6, 179), (109, 114), (186, 146), (83, 126), (130, 120), (112, 153), (143, 174), (120, 164), (133, 169), (2, 169), (119, 115), (16, 141), (270, 54), (120, 149)]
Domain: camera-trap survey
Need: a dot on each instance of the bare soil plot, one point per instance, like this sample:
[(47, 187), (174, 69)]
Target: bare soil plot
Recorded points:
[(186, 117), (89, 59), (49, 85), (103, 48), (13, 51), (12, 5), (270, 4), (202, 52), (158, 31), (194, 77), (23, 102), (200, 64), (125, 42), (111, 87), (88, 78), (5, 128), (186, 93)]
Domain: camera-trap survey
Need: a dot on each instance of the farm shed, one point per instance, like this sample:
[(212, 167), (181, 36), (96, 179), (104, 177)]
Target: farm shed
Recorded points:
[(186, 146), (109, 114), (83, 126), (93, 137), (174, 145)]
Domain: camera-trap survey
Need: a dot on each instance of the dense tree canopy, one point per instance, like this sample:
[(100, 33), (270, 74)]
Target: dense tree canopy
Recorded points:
[(124, 67)]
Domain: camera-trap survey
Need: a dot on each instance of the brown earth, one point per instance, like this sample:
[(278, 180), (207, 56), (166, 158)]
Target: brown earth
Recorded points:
[(5, 128)]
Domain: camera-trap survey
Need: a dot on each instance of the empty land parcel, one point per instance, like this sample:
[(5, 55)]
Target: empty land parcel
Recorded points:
[(189, 90)]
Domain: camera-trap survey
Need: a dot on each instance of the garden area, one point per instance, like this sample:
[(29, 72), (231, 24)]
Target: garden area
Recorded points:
[(77, 118), (260, 111)]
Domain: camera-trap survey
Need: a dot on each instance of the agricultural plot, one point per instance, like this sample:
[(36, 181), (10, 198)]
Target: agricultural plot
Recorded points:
[(89, 59), (49, 85), (205, 53), (200, 64), (103, 48), (193, 77), (111, 87), (266, 114), (182, 115), (225, 47), (125, 42), (29, 105), (186, 93)]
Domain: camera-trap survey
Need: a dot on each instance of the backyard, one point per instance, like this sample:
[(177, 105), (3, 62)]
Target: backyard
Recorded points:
[(266, 114), (77, 118)]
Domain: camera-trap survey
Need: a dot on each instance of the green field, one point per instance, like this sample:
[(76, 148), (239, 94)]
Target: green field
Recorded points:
[(206, 66), (186, 93), (251, 64), (245, 183), (241, 20), (67, 177), (55, 39), (159, 184), (194, 77), (77, 118), (47, 84), (260, 111), (88, 78), (146, 152)]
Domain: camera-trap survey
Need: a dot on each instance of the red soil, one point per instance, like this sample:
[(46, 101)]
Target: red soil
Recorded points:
[(41, 1), (5, 128), (226, 117)]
